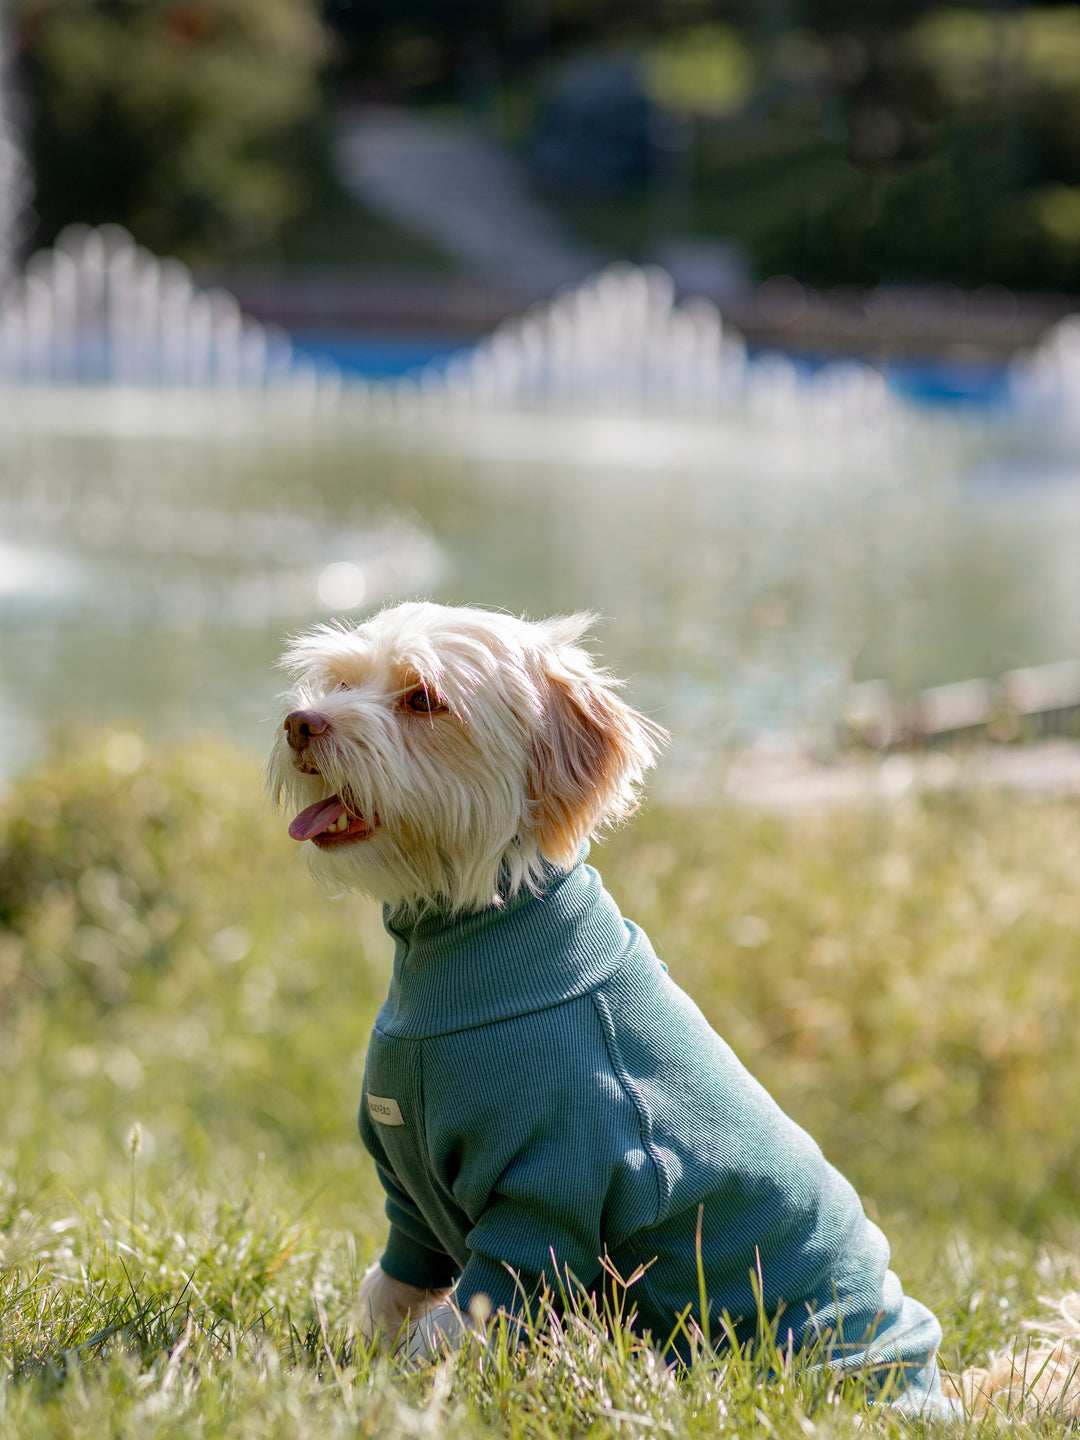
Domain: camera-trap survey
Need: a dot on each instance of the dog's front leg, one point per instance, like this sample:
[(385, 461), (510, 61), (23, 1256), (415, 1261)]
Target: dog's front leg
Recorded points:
[(387, 1306)]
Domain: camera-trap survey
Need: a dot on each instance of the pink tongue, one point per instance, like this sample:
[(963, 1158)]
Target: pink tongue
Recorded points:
[(316, 818)]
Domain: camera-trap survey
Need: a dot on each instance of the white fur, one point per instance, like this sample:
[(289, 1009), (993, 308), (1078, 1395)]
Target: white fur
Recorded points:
[(531, 754), (387, 1308)]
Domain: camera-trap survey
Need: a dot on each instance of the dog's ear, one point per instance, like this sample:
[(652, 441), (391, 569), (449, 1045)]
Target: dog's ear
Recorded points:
[(590, 750)]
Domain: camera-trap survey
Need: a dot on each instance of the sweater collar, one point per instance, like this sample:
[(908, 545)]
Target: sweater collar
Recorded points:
[(529, 953)]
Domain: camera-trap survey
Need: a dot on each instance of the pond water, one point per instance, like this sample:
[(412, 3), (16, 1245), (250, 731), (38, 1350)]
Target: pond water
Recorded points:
[(152, 557)]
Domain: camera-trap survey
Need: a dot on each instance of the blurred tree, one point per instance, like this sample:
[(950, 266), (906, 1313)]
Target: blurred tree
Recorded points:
[(1015, 75), (702, 69), (1018, 66), (181, 119)]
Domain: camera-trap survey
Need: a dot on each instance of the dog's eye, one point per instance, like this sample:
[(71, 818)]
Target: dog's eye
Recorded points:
[(423, 702)]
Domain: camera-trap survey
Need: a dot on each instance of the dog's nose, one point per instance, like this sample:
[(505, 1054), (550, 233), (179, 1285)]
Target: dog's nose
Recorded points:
[(302, 725)]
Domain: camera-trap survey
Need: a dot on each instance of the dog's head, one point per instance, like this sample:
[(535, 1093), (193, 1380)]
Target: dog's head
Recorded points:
[(435, 753)]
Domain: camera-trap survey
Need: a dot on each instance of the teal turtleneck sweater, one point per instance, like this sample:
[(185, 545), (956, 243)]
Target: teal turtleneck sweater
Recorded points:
[(537, 1087)]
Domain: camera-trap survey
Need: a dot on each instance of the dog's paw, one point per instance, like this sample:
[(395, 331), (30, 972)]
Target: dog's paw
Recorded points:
[(387, 1307), (443, 1328)]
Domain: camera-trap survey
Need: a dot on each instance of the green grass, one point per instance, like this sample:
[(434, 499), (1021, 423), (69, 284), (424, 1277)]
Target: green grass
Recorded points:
[(185, 1207)]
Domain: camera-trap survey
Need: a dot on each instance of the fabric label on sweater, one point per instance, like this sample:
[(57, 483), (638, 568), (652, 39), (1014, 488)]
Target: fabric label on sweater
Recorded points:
[(384, 1111)]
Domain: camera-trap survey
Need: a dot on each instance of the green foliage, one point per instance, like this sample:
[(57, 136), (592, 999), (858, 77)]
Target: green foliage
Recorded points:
[(982, 59), (704, 69), (152, 943), (941, 145), (183, 120), (1017, 75), (185, 1208)]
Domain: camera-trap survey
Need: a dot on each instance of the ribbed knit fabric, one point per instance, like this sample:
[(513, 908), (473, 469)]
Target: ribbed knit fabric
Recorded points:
[(538, 1093)]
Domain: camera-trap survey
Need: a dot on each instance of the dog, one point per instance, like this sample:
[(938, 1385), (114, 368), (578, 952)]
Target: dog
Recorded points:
[(546, 1108)]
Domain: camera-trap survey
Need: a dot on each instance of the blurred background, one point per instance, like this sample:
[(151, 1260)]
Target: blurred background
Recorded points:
[(844, 145), (745, 326)]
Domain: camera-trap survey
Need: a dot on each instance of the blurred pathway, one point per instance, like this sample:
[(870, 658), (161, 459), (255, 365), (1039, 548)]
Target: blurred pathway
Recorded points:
[(772, 776), (447, 182)]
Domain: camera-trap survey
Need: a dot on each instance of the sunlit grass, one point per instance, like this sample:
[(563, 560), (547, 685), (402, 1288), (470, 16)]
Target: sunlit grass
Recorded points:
[(185, 1207)]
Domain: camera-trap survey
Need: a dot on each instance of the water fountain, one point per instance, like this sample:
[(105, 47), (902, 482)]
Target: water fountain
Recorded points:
[(620, 343), (98, 309), (179, 485), (1045, 383)]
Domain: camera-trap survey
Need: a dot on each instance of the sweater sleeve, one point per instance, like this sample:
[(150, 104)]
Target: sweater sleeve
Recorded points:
[(412, 1253)]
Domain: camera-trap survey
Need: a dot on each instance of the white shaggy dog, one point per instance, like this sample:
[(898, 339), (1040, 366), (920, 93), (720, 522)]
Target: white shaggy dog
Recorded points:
[(460, 748), (540, 1099)]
